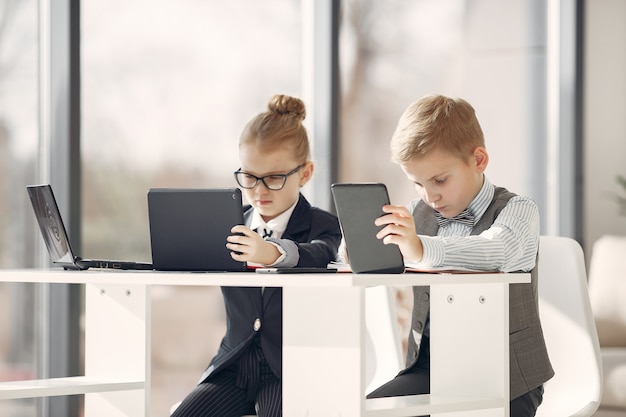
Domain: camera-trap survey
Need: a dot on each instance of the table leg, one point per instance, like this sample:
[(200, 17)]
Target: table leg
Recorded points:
[(470, 343), (117, 346), (323, 364)]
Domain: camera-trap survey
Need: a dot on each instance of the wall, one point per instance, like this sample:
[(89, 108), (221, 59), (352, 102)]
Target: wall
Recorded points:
[(506, 65), (604, 153)]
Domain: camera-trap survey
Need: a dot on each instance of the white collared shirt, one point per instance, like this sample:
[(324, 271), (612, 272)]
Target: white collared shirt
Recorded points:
[(277, 226)]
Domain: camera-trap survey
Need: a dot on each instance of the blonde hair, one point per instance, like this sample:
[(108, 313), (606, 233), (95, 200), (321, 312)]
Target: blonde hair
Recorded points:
[(281, 125), (436, 122)]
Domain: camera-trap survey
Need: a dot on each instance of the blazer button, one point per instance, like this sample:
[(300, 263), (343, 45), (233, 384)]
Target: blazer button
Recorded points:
[(257, 325), (425, 296)]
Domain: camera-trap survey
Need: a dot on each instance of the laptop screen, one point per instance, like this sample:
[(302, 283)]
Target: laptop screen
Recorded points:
[(51, 224)]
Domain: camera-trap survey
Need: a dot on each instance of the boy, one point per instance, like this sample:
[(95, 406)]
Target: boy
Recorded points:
[(462, 220)]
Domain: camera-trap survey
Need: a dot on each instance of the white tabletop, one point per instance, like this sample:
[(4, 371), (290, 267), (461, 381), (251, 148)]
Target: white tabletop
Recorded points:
[(252, 279)]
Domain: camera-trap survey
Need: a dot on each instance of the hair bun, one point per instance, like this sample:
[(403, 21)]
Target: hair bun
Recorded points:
[(288, 105)]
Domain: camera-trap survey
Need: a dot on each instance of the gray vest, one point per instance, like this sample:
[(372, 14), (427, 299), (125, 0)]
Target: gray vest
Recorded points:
[(530, 366)]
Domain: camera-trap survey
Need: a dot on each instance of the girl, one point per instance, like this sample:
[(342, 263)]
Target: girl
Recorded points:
[(282, 230)]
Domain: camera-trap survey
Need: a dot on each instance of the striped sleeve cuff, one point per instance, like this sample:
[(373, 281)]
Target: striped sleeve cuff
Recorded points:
[(433, 251)]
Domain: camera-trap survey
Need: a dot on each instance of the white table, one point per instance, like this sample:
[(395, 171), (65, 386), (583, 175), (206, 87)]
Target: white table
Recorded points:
[(323, 341)]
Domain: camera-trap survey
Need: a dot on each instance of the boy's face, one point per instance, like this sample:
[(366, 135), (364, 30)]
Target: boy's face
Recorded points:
[(446, 182), (271, 203)]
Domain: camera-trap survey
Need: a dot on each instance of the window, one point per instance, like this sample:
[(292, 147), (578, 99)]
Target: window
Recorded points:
[(18, 158), (166, 90), (491, 53)]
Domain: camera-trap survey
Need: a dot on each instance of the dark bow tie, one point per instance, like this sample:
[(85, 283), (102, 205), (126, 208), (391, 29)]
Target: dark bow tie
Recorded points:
[(264, 232), (465, 217)]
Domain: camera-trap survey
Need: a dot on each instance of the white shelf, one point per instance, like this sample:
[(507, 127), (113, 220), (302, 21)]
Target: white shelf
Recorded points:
[(417, 405), (64, 386)]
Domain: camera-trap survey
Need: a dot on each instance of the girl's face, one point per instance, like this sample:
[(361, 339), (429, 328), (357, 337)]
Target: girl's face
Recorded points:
[(258, 162), (446, 182)]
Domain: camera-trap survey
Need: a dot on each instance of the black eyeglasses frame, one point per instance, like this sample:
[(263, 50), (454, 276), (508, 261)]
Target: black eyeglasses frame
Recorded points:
[(262, 179)]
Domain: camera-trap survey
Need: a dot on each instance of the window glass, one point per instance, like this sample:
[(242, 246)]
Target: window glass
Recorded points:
[(489, 52), (166, 90), (18, 153), (392, 53), (167, 87)]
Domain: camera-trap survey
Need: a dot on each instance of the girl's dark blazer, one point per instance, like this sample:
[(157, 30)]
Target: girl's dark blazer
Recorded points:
[(252, 312)]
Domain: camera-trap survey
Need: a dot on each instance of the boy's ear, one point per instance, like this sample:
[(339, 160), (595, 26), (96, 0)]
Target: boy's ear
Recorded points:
[(481, 158)]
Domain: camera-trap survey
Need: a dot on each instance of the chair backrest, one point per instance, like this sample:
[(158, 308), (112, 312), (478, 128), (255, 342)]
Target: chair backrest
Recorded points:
[(383, 351), (569, 330), (607, 286)]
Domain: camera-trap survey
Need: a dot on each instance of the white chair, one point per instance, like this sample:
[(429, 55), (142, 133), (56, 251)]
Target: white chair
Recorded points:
[(607, 292), (569, 330), (567, 321)]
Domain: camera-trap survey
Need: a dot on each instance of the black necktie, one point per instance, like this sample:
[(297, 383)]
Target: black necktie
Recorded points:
[(267, 232), (465, 217)]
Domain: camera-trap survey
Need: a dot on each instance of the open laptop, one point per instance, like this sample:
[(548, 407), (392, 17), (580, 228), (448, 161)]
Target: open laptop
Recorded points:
[(56, 238), (358, 205), (188, 228)]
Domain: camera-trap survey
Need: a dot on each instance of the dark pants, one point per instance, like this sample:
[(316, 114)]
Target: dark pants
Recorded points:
[(247, 387), (416, 380)]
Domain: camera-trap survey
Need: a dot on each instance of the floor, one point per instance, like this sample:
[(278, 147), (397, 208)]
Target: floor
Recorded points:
[(610, 413)]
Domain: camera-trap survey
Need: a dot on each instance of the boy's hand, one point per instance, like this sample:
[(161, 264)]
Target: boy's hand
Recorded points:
[(399, 229), (248, 246)]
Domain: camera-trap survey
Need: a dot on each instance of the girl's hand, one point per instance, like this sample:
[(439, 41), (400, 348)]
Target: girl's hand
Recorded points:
[(248, 246), (399, 229)]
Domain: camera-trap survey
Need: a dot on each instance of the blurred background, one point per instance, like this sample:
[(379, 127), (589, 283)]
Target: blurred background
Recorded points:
[(106, 99)]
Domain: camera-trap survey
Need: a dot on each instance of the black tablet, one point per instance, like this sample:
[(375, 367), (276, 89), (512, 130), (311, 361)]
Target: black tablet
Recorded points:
[(358, 205), (188, 228)]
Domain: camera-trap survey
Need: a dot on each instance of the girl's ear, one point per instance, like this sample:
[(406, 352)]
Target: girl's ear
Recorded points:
[(306, 173), (481, 158)]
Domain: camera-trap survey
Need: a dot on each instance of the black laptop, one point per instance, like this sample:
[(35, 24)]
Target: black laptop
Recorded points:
[(358, 205), (188, 228), (56, 238)]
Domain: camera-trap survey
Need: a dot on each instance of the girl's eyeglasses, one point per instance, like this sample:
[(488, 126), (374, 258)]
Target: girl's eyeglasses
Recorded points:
[(272, 182)]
